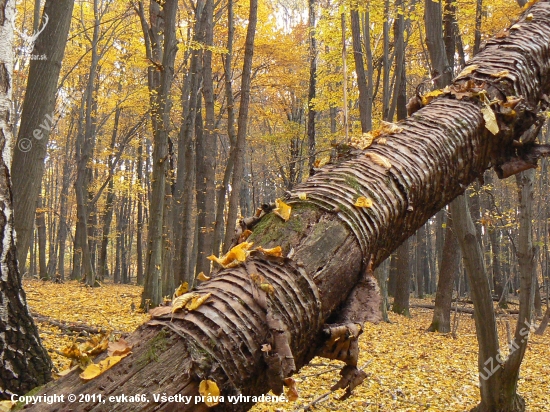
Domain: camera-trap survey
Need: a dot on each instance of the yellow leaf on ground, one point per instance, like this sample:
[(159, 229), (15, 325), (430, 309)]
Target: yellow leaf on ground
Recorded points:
[(302, 196), (276, 251), (210, 391), (202, 277), (96, 369), (282, 210), (490, 119), (72, 352), (197, 301), (183, 288), (121, 347), (363, 201)]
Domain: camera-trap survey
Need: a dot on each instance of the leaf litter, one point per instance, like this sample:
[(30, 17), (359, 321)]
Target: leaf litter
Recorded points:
[(408, 369)]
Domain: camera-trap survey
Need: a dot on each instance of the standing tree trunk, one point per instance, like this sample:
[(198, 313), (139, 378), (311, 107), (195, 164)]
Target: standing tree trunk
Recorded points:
[(403, 281), (152, 292), (139, 234), (242, 123), (450, 265), (102, 264), (205, 182), (41, 232), (222, 339), (184, 221), (312, 86), (228, 173), (436, 45), (34, 131), (370, 70), (25, 362), (421, 262), (359, 68)]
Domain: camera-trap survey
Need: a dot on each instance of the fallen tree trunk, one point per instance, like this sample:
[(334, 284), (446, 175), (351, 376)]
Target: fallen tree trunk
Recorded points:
[(461, 310), (70, 326), (409, 173)]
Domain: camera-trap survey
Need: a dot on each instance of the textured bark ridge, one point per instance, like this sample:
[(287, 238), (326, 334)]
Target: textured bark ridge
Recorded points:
[(409, 175)]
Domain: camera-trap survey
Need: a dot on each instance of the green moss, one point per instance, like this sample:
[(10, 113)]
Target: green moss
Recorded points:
[(271, 228), (19, 405), (262, 236), (352, 182), (158, 344)]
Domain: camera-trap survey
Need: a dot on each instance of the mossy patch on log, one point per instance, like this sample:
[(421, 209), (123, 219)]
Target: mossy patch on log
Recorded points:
[(158, 344)]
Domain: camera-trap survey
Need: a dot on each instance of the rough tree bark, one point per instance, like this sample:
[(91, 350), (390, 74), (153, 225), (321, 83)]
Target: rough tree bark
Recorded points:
[(25, 363), (160, 110), (242, 123), (359, 67), (28, 158), (432, 162), (450, 264)]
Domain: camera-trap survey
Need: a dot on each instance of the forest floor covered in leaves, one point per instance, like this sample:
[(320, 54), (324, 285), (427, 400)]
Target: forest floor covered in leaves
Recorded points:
[(408, 368)]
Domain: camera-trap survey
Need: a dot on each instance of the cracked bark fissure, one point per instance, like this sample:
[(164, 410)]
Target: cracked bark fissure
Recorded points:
[(441, 149)]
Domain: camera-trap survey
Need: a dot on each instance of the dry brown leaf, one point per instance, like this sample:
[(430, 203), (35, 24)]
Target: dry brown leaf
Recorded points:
[(210, 391), (490, 119), (245, 235), (119, 348), (160, 310), (379, 160), (292, 391)]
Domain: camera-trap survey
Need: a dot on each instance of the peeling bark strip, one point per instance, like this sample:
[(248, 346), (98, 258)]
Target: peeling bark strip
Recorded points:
[(441, 149), (4, 79)]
